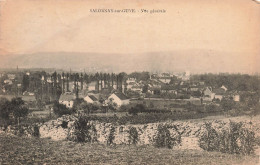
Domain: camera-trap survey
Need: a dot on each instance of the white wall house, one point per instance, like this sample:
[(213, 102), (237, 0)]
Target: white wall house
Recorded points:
[(236, 98), (67, 99), (165, 79), (208, 94), (119, 99), (92, 86), (220, 97)]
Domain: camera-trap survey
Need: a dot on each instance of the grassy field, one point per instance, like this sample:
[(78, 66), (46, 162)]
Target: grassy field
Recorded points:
[(163, 103), (18, 150)]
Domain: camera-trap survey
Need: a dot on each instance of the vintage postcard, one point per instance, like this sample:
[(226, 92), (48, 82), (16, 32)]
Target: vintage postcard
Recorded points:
[(129, 82)]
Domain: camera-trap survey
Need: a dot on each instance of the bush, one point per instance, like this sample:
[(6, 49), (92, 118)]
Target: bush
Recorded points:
[(16, 108), (36, 131), (164, 138), (60, 109), (125, 108), (208, 140), (82, 128), (133, 135), (64, 124), (235, 139), (111, 136), (212, 108), (137, 109), (227, 104)]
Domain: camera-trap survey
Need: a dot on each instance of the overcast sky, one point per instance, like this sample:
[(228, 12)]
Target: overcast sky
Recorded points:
[(226, 30)]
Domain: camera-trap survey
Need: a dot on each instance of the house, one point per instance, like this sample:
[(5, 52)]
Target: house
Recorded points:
[(165, 80), (67, 99), (137, 88), (10, 82), (235, 96), (194, 89), (208, 93), (219, 93), (168, 89), (223, 87), (184, 76), (25, 93), (131, 80), (11, 76), (130, 85), (91, 99), (119, 98), (92, 86), (155, 90)]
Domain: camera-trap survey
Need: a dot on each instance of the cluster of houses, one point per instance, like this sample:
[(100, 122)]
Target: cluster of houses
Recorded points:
[(157, 85), (118, 98), (10, 83), (220, 93)]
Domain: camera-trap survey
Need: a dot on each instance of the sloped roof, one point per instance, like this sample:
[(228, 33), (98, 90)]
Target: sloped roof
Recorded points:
[(121, 96), (92, 97), (67, 97), (219, 91)]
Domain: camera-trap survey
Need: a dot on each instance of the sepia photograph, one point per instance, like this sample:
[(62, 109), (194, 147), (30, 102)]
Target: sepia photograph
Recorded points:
[(130, 82)]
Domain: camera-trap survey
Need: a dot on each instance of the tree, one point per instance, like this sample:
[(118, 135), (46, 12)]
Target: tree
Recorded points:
[(5, 109), (19, 109), (88, 108), (227, 104), (111, 104), (67, 79), (77, 103), (81, 81), (60, 109), (145, 88), (63, 82), (25, 83)]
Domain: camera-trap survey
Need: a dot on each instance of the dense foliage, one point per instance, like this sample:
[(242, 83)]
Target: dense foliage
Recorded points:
[(133, 135), (234, 82), (60, 109), (13, 109), (164, 137), (234, 139)]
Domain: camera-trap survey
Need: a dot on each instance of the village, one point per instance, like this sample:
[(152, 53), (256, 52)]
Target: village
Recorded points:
[(40, 89)]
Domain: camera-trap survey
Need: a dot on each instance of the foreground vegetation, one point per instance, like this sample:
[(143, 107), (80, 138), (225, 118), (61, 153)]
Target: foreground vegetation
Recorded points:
[(18, 150)]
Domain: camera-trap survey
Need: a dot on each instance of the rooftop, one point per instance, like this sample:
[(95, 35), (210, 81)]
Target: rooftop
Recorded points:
[(121, 96)]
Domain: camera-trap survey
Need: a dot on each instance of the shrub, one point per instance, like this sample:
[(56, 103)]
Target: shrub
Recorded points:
[(235, 139), (125, 108), (227, 104), (82, 128), (137, 109), (21, 130), (208, 140), (36, 131), (60, 109), (133, 135), (64, 124), (212, 108), (16, 108), (164, 138), (111, 136)]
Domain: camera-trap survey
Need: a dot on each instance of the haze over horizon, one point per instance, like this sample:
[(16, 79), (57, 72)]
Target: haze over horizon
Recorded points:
[(199, 36)]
